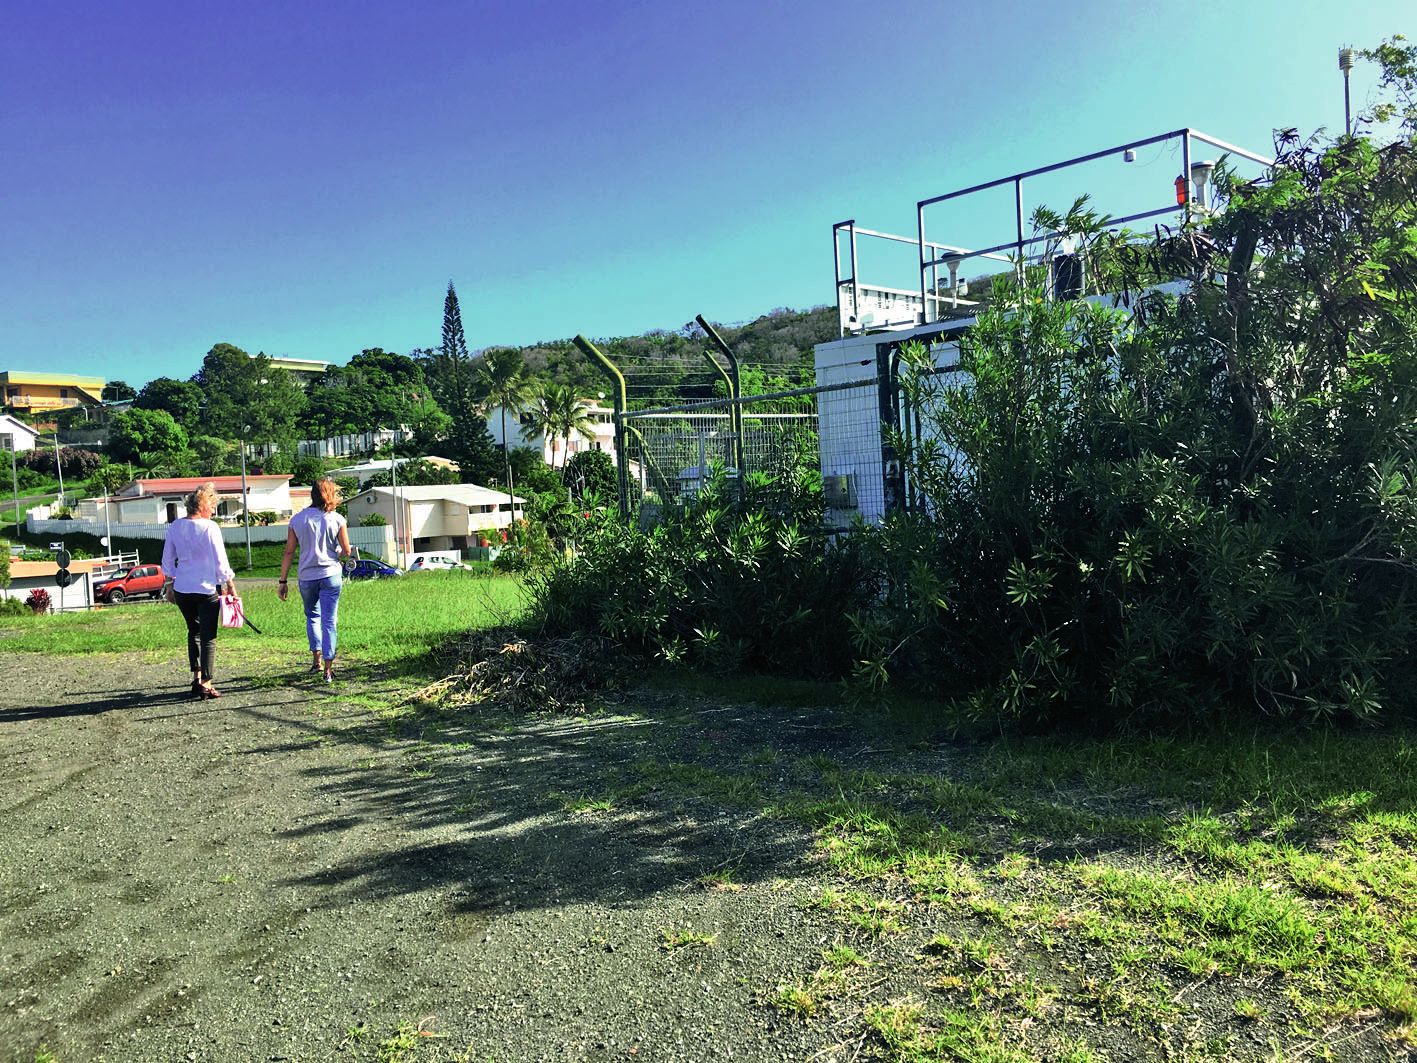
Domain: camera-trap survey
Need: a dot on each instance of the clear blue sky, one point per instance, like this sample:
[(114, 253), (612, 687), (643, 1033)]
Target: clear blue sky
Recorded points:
[(305, 178)]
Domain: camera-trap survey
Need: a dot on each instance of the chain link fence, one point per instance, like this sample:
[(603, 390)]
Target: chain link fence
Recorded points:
[(673, 450)]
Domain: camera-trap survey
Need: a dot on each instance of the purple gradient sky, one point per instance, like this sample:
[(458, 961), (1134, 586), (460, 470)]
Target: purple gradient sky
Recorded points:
[(304, 179)]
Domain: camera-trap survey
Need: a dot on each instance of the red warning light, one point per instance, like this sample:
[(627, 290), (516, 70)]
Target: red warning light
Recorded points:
[(1181, 190)]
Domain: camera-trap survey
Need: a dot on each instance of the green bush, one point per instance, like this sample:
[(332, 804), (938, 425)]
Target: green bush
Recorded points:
[(14, 607), (1207, 503), (727, 581), (372, 520), (528, 547), (4, 564)]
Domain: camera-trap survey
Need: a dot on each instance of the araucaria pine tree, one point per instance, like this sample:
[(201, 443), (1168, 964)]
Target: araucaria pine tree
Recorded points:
[(471, 442)]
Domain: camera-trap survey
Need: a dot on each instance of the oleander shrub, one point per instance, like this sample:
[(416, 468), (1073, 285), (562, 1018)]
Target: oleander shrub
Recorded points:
[(1203, 503), (735, 579)]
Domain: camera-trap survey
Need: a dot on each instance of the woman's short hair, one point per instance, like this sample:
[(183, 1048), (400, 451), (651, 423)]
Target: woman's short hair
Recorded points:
[(325, 494), (206, 491)]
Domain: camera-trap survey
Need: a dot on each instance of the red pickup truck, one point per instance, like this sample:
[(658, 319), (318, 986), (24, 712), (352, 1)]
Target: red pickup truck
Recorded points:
[(137, 581)]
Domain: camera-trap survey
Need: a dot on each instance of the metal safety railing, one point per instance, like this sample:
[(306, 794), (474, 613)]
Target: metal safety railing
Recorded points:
[(927, 301)]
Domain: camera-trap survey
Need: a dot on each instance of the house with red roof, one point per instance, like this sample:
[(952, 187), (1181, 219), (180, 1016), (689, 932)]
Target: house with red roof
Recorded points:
[(162, 501)]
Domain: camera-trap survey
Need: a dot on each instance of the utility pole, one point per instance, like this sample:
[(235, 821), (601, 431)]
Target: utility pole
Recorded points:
[(394, 481), (245, 502), (59, 468), (15, 483)]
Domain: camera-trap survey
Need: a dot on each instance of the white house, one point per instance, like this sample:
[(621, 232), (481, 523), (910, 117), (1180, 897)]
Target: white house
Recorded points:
[(161, 501), (445, 517), (554, 451), (16, 435)]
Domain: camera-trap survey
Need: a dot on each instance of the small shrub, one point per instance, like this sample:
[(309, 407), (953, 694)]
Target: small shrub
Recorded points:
[(734, 579), (372, 520), (528, 547), (38, 601), (14, 607)]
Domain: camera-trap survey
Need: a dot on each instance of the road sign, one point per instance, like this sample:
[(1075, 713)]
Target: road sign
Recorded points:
[(56, 546), (63, 577), (62, 560)]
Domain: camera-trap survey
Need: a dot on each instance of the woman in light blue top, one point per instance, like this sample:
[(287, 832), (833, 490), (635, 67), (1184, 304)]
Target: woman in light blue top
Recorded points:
[(323, 537)]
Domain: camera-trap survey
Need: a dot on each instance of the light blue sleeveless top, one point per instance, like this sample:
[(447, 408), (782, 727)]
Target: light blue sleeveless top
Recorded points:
[(318, 535)]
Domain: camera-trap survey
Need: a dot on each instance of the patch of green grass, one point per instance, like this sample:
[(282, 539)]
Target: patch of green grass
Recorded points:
[(875, 916), (685, 937), (381, 621), (583, 805), (722, 879), (909, 1035)]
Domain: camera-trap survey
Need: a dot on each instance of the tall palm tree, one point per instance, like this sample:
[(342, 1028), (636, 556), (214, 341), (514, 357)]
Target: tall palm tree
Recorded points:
[(557, 413), (502, 382)]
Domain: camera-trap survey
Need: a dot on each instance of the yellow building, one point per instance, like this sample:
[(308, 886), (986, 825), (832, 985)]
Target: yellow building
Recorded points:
[(44, 392)]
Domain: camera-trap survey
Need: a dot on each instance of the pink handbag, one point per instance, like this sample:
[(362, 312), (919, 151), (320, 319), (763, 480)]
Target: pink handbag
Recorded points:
[(232, 614)]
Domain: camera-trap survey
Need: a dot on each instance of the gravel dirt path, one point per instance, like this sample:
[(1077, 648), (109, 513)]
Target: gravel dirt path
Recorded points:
[(279, 875)]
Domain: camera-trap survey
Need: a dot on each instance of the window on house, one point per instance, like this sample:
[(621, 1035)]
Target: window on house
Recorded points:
[(63, 393)]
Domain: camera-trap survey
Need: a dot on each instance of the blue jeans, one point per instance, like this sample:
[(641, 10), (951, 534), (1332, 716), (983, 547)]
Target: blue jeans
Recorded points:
[(321, 598)]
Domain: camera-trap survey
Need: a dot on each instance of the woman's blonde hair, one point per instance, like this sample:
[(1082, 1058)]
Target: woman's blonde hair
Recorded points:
[(206, 491), (325, 494)]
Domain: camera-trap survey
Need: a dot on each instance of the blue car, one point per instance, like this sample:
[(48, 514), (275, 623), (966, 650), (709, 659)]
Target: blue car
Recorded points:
[(373, 568)]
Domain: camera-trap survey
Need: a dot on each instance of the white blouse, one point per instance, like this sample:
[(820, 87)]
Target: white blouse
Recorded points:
[(195, 556)]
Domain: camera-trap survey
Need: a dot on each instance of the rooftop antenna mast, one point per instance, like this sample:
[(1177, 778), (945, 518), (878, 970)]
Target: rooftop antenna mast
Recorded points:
[(1346, 57)]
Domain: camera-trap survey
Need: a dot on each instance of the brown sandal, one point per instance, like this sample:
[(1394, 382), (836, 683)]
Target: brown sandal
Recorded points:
[(209, 691)]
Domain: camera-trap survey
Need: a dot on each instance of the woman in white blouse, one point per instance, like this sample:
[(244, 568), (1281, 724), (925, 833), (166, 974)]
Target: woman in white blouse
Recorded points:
[(194, 556)]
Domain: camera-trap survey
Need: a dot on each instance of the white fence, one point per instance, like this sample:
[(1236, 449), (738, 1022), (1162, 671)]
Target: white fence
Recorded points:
[(377, 541), (232, 533)]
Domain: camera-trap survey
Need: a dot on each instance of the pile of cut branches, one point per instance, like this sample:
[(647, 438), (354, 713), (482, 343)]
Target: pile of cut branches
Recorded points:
[(505, 668)]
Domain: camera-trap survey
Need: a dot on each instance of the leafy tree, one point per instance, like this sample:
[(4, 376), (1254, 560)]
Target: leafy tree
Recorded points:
[(108, 478), (337, 404), (181, 398), (136, 432), (249, 398), (213, 456), (591, 474), (118, 391), (306, 469), (502, 383), (415, 473)]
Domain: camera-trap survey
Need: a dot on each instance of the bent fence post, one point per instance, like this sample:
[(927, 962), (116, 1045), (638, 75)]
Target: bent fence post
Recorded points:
[(735, 391), (617, 379)]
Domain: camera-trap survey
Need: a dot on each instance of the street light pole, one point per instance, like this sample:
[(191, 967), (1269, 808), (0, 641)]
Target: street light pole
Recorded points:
[(394, 481), (59, 468), (15, 483), (245, 502)]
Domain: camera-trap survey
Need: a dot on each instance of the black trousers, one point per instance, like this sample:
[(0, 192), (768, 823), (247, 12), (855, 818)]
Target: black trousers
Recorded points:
[(203, 615)]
